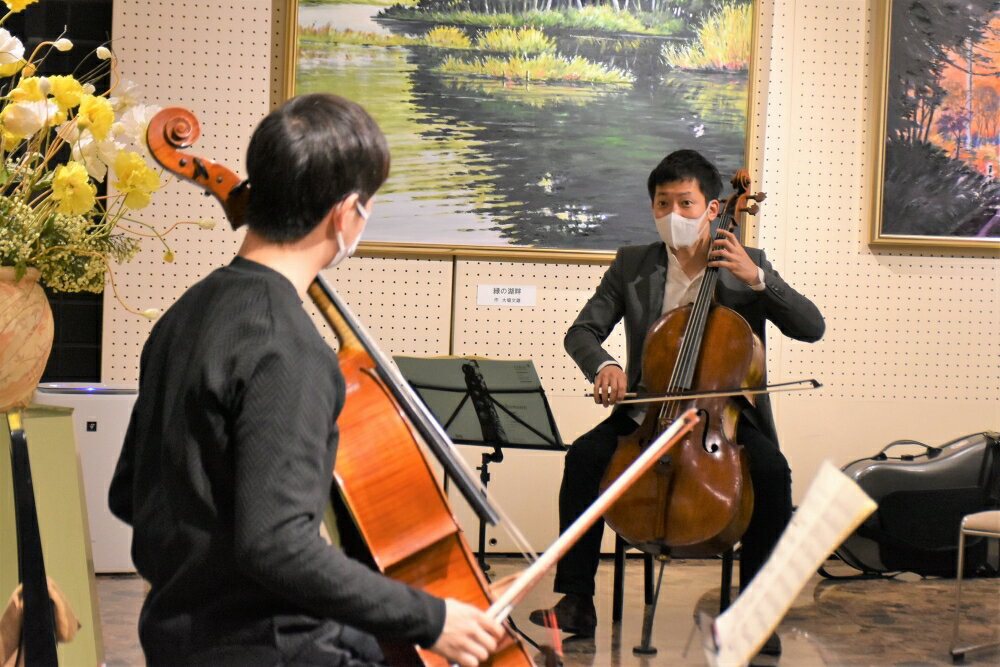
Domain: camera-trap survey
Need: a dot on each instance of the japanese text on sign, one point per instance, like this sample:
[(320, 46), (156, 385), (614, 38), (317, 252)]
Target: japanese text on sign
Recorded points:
[(506, 295)]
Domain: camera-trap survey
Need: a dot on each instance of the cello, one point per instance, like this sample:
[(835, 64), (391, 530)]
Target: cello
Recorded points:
[(698, 500), (400, 511)]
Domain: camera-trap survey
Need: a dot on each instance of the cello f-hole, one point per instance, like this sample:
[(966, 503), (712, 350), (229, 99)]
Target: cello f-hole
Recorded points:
[(706, 416)]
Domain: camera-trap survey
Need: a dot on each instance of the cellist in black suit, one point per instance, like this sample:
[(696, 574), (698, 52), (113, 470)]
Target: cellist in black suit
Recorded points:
[(642, 283)]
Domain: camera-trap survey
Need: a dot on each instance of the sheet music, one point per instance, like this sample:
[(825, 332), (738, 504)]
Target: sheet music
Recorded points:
[(833, 507)]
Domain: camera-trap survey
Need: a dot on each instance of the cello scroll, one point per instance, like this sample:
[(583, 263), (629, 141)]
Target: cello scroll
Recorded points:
[(174, 129)]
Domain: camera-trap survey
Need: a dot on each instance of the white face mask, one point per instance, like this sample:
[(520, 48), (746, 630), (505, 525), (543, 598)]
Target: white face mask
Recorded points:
[(342, 252), (678, 231)]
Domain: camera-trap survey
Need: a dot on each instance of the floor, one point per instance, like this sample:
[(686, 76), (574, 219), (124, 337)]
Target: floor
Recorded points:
[(904, 621)]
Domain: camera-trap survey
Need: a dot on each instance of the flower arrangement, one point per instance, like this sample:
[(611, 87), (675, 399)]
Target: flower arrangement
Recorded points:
[(59, 137)]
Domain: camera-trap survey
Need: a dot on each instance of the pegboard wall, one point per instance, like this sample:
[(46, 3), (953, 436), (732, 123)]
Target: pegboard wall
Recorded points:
[(909, 350)]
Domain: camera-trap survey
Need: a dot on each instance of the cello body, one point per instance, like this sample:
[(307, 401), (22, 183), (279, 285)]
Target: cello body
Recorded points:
[(698, 501)]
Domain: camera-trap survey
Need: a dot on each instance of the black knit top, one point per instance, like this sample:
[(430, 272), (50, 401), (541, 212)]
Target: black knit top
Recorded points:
[(226, 472)]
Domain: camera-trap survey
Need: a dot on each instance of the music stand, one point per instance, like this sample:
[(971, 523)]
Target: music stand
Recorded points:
[(487, 403)]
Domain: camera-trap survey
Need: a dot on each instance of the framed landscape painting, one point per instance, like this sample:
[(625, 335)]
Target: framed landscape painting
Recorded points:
[(528, 128), (936, 181)]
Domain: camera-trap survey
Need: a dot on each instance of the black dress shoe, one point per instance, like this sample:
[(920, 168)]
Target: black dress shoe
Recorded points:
[(772, 646), (575, 614)]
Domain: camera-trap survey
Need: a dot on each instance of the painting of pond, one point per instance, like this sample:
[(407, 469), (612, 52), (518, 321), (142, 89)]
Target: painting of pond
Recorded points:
[(536, 126)]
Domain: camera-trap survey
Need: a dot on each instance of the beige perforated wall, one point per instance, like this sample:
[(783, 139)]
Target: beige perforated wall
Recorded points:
[(911, 348)]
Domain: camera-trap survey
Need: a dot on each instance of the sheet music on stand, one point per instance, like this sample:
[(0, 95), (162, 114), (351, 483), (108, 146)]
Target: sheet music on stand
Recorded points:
[(520, 418), (833, 507)]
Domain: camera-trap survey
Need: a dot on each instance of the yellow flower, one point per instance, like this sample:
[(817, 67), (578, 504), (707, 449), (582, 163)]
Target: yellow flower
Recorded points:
[(10, 140), (135, 179), (10, 69), (18, 5), (29, 89), (72, 189), (95, 114), (66, 90)]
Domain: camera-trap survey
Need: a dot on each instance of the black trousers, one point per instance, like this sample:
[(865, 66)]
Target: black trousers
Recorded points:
[(281, 641), (587, 459)]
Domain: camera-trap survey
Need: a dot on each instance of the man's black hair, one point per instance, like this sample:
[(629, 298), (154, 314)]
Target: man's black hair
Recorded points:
[(683, 165), (306, 156)]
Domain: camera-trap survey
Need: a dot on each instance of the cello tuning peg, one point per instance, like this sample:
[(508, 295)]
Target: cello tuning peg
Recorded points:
[(752, 209), (760, 196)]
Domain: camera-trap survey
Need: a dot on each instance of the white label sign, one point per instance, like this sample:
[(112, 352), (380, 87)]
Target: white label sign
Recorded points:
[(506, 295)]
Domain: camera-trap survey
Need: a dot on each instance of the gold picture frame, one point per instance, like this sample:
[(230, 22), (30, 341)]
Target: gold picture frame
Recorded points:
[(288, 54), (913, 174)]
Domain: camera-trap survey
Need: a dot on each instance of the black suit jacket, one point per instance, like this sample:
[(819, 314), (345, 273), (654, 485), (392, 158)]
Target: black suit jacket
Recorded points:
[(632, 288)]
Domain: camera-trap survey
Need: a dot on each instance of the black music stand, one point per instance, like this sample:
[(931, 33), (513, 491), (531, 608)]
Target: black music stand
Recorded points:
[(487, 403)]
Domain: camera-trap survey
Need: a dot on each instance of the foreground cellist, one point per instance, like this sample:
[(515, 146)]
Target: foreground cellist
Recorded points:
[(642, 283), (225, 470)]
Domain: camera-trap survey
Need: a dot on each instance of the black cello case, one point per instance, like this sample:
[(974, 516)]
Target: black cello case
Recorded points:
[(922, 498)]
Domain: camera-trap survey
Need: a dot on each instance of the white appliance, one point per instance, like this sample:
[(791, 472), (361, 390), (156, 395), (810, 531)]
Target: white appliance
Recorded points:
[(100, 417)]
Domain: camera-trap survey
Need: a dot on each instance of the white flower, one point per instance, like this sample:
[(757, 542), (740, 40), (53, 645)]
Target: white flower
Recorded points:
[(11, 48), (103, 52), (94, 155), (89, 88), (130, 128), (25, 118), (151, 313), (44, 85), (206, 224), (62, 44), (126, 94)]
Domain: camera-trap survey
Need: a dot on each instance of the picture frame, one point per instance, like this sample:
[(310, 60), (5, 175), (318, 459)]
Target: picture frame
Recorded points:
[(935, 177), (499, 166)]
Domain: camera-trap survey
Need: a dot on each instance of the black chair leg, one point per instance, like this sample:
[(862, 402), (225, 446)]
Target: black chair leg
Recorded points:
[(727, 580), (647, 581), (618, 594)]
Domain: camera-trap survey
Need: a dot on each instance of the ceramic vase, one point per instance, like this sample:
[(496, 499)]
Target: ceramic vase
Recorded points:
[(25, 337)]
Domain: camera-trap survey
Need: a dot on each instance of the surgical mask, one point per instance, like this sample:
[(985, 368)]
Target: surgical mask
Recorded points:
[(678, 231), (342, 252)]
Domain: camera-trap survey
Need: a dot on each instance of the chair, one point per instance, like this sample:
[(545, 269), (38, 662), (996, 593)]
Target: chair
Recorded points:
[(985, 524), (618, 595)]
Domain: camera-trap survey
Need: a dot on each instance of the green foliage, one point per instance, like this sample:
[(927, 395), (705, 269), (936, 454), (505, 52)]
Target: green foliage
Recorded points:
[(723, 41), (593, 18), (70, 251), (327, 34), (544, 67), (658, 23), (523, 41), (319, 3), (603, 17), (447, 37)]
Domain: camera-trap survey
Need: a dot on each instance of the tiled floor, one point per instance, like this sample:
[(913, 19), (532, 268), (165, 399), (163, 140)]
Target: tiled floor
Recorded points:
[(903, 621)]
